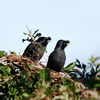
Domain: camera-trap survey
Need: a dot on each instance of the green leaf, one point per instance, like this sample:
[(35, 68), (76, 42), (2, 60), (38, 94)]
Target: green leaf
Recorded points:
[(1, 75), (2, 53), (84, 66), (38, 85), (25, 33), (79, 64), (38, 35), (93, 59), (97, 67), (8, 70), (23, 40), (35, 31), (24, 74), (70, 67), (5, 69), (1, 65), (39, 46), (30, 34), (12, 52), (44, 74), (48, 91), (78, 72), (65, 81), (30, 66)]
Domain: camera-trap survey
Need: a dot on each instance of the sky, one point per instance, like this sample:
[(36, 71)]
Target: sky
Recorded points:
[(74, 20)]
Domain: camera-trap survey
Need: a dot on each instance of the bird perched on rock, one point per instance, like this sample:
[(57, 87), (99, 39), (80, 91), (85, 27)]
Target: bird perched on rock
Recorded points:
[(36, 49), (57, 58)]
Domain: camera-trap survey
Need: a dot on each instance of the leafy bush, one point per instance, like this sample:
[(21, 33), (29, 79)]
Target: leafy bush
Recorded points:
[(21, 79)]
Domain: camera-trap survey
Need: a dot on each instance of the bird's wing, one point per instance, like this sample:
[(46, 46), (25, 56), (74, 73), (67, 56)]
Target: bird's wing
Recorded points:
[(56, 61), (29, 49), (53, 60)]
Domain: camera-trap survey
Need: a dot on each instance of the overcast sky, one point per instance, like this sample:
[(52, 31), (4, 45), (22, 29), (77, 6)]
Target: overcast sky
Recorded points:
[(74, 20)]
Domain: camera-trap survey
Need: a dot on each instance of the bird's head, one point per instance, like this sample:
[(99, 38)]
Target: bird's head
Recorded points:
[(44, 40), (62, 44)]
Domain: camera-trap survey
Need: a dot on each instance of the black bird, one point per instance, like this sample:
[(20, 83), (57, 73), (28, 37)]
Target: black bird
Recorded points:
[(36, 49), (57, 58)]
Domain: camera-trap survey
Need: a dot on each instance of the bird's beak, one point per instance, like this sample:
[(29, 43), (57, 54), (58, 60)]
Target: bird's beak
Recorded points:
[(49, 40), (69, 43)]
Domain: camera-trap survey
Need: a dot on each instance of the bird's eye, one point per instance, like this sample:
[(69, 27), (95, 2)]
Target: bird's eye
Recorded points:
[(44, 39), (65, 43)]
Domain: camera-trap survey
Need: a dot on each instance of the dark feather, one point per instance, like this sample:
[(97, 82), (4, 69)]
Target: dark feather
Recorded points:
[(57, 58), (35, 50)]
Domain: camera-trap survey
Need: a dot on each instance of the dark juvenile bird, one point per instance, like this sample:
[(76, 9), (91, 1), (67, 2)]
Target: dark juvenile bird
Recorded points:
[(36, 49), (57, 58)]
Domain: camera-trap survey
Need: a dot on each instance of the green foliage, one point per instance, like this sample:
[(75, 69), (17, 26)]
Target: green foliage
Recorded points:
[(70, 68), (38, 46), (44, 74), (88, 75), (2, 53), (24, 81), (12, 52), (31, 36)]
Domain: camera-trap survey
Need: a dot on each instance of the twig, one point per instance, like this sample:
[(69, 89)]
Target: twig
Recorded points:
[(3, 59), (28, 29)]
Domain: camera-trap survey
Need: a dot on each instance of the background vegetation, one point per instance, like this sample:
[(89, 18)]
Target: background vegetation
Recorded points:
[(22, 79)]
